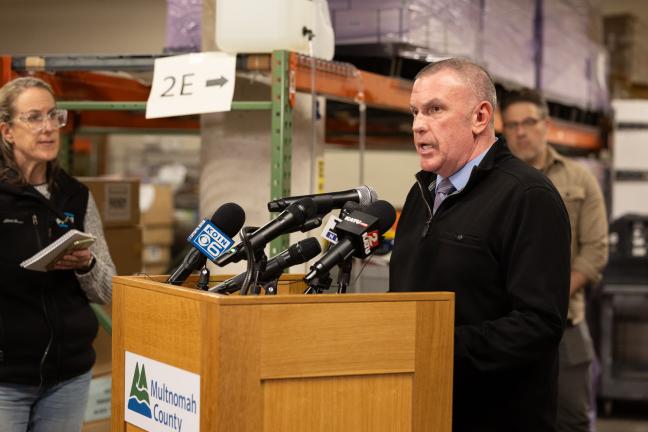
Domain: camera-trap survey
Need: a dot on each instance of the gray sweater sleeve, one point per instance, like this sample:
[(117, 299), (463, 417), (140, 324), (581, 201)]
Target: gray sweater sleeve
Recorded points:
[(97, 283)]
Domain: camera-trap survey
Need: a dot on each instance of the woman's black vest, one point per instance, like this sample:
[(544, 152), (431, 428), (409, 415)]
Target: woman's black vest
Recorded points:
[(46, 324)]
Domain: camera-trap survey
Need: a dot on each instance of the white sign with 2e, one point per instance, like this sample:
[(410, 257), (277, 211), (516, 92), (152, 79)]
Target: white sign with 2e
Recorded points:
[(194, 83)]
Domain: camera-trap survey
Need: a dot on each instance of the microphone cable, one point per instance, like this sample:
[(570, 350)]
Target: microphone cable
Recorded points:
[(364, 264), (252, 270)]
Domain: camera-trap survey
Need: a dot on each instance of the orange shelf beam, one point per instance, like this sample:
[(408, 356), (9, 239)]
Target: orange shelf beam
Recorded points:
[(341, 81), (574, 135)]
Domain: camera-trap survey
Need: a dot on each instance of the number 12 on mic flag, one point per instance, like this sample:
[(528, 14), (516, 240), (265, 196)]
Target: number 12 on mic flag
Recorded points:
[(209, 240)]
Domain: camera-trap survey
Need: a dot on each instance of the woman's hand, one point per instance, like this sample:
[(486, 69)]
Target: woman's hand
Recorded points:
[(79, 259)]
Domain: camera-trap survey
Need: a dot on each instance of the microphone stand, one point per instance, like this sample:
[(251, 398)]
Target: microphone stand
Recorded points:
[(260, 261), (344, 275), (203, 281), (271, 287), (318, 284)]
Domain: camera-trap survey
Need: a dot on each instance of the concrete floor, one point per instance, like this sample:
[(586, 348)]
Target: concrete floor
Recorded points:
[(625, 417), (621, 425)]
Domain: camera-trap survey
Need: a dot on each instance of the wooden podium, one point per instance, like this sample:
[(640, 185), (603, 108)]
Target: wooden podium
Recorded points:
[(329, 363)]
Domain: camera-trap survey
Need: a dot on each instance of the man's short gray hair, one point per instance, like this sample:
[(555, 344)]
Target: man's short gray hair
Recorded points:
[(475, 76)]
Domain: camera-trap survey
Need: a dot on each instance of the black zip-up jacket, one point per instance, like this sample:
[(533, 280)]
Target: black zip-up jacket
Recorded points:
[(502, 246), (46, 324)]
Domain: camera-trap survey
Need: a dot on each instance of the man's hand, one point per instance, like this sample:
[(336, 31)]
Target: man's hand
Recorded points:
[(577, 281)]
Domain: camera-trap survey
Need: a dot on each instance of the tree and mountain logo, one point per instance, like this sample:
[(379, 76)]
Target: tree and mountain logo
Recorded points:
[(138, 400)]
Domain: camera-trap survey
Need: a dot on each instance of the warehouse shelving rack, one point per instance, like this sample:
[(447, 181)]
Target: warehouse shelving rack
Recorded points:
[(108, 102)]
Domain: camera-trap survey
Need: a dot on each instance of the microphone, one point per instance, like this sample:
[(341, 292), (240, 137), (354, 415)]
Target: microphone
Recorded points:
[(327, 201), (298, 253), (358, 235), (294, 216), (229, 218)]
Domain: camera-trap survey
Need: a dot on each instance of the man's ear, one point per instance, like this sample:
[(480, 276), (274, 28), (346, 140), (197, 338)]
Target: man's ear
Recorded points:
[(482, 117)]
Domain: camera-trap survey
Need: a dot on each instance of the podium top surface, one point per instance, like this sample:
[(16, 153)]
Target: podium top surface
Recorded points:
[(157, 284)]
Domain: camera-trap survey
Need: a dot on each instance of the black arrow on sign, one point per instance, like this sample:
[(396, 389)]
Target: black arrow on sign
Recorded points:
[(221, 81)]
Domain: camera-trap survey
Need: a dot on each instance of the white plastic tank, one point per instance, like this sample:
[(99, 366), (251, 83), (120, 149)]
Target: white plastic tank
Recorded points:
[(260, 26)]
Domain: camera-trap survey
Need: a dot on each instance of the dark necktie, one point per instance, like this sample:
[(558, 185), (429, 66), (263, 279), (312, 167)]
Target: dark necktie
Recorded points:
[(444, 189)]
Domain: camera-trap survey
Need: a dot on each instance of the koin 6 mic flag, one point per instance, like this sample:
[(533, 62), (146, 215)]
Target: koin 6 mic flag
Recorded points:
[(209, 240), (229, 219)]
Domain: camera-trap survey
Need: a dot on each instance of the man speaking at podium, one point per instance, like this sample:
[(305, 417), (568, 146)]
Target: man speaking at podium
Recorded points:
[(483, 224)]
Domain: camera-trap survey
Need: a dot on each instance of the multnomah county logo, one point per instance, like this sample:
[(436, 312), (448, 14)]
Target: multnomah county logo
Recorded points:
[(139, 397), (159, 397)]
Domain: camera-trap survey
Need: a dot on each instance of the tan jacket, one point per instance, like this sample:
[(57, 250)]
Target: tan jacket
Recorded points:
[(589, 227)]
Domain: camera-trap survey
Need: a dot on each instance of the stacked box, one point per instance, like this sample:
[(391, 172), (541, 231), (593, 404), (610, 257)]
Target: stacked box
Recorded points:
[(624, 38), (118, 204), (630, 157), (97, 414), (156, 204)]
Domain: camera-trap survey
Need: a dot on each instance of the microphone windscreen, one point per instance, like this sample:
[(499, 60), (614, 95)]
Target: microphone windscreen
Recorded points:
[(350, 206), (367, 194), (385, 213), (302, 210), (229, 218), (308, 248)]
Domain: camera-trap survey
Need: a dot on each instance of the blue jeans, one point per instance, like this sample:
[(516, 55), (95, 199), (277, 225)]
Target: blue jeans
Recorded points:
[(59, 407)]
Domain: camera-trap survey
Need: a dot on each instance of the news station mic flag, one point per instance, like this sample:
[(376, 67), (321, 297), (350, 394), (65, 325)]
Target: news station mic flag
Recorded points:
[(209, 239), (328, 232), (359, 234)]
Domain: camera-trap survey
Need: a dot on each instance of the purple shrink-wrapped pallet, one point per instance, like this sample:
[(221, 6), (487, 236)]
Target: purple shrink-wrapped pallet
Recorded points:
[(443, 27), (183, 25), (508, 41), (498, 34), (550, 44), (374, 21), (566, 51)]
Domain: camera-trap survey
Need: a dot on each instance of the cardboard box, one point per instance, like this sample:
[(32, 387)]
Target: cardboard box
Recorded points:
[(157, 234), (117, 200), (156, 254), (156, 204), (624, 36), (98, 409), (103, 348), (125, 245), (156, 269), (97, 426)]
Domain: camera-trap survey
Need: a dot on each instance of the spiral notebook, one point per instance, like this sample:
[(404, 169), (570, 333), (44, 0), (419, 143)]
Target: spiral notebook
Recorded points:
[(73, 239)]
